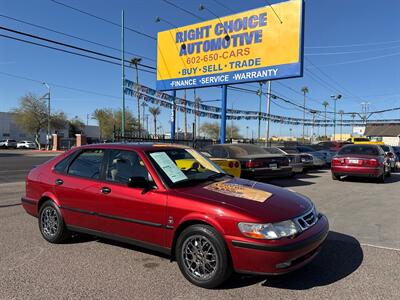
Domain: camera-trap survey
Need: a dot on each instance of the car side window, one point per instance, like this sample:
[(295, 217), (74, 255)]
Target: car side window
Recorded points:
[(121, 165), (87, 164)]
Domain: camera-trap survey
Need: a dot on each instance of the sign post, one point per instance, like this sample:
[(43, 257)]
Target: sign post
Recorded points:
[(173, 116), (224, 100)]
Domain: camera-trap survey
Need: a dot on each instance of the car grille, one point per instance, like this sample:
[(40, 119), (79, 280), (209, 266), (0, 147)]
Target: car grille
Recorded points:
[(307, 220)]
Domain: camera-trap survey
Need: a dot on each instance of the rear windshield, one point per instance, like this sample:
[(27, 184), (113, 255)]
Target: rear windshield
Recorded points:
[(359, 149), (290, 150), (240, 150), (274, 151)]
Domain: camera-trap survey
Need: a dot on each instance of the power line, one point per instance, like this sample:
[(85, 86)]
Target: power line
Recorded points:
[(70, 52), (60, 86), (224, 6), (104, 19), (184, 10), (73, 36), (354, 45), (351, 52), (361, 60), (70, 46)]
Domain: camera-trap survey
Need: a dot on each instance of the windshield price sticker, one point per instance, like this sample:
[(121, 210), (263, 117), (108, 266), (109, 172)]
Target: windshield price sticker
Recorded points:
[(168, 166)]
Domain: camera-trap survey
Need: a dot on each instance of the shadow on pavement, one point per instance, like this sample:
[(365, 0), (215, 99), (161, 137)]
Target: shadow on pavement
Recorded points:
[(340, 257), (290, 182), (395, 177)]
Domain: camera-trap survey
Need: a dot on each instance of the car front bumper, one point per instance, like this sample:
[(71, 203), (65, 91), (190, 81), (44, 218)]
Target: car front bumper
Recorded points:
[(277, 256)]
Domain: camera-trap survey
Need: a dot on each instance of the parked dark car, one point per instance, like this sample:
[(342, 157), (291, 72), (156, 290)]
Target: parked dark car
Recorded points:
[(255, 161), (294, 159), (209, 222), (360, 161), (397, 152), (306, 158)]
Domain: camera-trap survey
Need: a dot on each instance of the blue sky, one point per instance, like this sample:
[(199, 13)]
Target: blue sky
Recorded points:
[(356, 44)]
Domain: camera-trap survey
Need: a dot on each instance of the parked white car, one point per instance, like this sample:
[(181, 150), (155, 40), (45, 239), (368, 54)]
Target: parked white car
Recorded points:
[(8, 143), (26, 145)]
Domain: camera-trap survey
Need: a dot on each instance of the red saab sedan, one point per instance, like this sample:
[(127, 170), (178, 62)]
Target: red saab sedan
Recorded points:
[(209, 222), (361, 161)]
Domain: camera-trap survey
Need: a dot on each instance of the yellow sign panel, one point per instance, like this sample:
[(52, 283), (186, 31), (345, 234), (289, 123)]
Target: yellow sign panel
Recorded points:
[(255, 45)]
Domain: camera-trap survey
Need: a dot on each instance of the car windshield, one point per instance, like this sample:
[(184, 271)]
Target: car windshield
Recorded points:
[(305, 149), (184, 166), (359, 150), (274, 150), (242, 150), (361, 140)]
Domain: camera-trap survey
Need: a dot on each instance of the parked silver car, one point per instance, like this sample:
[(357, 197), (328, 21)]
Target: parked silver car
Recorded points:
[(295, 160), (26, 145)]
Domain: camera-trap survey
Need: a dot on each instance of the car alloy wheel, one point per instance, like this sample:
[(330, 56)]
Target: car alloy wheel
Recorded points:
[(202, 256), (49, 222), (199, 257)]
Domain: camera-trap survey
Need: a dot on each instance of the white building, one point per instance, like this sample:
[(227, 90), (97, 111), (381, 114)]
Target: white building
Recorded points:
[(387, 133)]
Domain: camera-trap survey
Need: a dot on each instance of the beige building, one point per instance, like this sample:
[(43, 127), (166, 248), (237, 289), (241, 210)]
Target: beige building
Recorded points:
[(387, 133)]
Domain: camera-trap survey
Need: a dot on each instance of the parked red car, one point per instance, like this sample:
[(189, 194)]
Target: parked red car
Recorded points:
[(361, 161), (209, 222)]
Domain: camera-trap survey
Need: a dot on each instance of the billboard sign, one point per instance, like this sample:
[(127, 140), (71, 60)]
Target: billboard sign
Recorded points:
[(255, 45)]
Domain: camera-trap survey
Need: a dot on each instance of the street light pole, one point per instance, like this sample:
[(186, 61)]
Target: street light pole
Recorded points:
[(335, 98), (123, 76), (48, 116)]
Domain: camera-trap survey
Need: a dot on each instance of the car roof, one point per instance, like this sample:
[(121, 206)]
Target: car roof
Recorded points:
[(135, 146)]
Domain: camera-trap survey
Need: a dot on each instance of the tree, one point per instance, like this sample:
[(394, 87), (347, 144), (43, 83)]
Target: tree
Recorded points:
[(31, 115), (155, 111), (109, 120), (135, 62), (105, 119), (211, 130), (305, 91), (58, 121), (75, 126)]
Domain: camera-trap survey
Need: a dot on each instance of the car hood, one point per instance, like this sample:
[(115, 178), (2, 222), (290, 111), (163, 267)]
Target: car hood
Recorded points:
[(273, 204)]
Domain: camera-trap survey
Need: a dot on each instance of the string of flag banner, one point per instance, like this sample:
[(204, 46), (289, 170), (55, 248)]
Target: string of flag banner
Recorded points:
[(161, 99)]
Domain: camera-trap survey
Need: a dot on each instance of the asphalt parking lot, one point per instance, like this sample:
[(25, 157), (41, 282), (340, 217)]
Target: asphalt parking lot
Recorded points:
[(360, 260)]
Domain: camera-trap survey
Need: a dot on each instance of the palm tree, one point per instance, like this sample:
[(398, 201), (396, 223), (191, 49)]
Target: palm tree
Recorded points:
[(135, 62), (325, 104), (341, 112), (155, 111), (305, 91)]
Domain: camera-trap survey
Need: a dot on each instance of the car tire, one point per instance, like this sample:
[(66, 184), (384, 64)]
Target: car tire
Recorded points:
[(335, 177), (194, 268), (51, 223), (381, 178)]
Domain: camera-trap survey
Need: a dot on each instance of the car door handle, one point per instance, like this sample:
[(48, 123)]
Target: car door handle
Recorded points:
[(105, 190), (59, 181)]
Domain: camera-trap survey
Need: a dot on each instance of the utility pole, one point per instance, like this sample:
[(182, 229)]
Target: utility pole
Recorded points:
[(87, 119), (259, 111), (335, 98), (231, 122), (48, 116), (136, 61), (123, 76), (341, 112), (268, 111)]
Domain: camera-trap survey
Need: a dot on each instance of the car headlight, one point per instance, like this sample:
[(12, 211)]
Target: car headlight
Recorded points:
[(269, 231)]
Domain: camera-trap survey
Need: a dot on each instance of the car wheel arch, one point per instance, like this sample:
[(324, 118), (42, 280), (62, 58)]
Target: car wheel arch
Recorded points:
[(190, 222), (45, 197)]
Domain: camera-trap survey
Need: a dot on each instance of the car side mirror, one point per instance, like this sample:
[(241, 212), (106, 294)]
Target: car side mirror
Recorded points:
[(138, 182)]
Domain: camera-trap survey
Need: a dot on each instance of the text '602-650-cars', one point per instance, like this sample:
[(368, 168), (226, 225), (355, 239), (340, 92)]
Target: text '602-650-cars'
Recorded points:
[(210, 222)]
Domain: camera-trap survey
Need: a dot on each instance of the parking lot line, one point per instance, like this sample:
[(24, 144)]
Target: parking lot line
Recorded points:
[(380, 247)]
